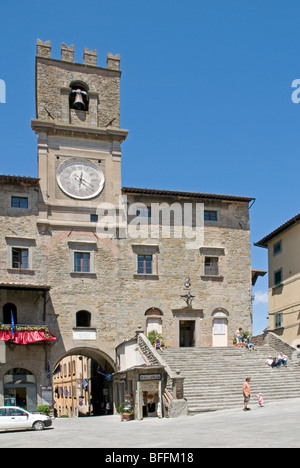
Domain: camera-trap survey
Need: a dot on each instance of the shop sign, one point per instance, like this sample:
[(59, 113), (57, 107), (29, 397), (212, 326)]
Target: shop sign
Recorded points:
[(149, 377)]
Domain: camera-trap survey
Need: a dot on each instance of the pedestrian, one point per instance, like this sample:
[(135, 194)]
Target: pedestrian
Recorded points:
[(271, 362), (239, 337), (260, 400), (247, 393), (107, 407), (249, 345), (158, 344), (282, 359)]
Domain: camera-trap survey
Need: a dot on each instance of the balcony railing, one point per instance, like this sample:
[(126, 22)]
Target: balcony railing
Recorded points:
[(25, 334)]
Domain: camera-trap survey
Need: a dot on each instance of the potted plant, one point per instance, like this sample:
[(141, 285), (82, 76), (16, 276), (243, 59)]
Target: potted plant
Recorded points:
[(127, 414)]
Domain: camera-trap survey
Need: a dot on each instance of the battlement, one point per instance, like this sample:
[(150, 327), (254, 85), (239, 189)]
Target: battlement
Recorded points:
[(90, 57)]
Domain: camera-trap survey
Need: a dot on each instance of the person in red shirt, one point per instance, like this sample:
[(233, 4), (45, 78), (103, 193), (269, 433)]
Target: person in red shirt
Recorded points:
[(247, 393)]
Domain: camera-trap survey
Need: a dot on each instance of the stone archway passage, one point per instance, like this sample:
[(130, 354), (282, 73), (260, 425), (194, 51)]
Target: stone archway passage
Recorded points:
[(82, 384)]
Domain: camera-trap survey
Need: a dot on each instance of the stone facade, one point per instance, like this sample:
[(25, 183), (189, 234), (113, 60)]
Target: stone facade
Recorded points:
[(114, 293)]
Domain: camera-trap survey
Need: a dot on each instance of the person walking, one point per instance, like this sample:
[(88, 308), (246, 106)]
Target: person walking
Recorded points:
[(247, 393)]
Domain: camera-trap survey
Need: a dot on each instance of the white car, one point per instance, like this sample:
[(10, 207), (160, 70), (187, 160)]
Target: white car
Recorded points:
[(13, 418)]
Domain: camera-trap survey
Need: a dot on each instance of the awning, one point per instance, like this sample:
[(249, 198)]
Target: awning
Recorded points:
[(24, 335)]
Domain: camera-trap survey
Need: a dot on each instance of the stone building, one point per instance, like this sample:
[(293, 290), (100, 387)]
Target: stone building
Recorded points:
[(85, 262)]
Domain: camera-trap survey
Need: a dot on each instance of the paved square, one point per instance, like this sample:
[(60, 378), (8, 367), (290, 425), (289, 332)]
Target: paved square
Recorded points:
[(275, 425)]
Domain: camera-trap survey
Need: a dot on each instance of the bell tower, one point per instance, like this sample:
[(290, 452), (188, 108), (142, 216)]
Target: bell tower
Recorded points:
[(78, 128)]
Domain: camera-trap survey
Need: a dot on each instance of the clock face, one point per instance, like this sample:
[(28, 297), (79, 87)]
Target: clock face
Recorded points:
[(80, 179)]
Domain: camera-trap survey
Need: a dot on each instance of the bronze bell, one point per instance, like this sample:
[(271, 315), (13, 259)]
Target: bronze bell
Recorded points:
[(78, 101)]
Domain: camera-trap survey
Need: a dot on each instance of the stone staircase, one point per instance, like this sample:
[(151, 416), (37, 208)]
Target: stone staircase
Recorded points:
[(214, 377)]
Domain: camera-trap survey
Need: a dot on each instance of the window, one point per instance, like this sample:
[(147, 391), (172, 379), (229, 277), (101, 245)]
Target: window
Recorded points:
[(83, 319), (211, 266), (144, 212), (82, 257), (154, 320), (94, 218), (19, 202), (81, 262), (147, 261), (277, 248), (145, 264), (278, 277), (210, 215), (278, 320), (17, 412), (220, 326), (20, 259), (9, 309)]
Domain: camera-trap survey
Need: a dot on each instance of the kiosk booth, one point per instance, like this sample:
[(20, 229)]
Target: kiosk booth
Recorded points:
[(145, 385)]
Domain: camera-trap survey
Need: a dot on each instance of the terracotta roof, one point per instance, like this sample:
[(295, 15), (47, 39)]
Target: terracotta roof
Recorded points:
[(171, 193), (28, 286), (264, 242), (9, 179)]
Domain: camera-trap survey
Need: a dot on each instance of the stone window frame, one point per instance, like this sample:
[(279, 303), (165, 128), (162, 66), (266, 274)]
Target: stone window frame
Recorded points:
[(153, 313), (147, 250), (212, 252), (19, 198), (20, 243), (212, 222), (81, 246), (18, 210), (208, 212)]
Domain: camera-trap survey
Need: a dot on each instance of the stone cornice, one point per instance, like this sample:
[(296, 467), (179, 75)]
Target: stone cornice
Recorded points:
[(52, 128)]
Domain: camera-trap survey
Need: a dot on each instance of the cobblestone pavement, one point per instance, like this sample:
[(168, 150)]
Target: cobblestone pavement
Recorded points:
[(275, 425)]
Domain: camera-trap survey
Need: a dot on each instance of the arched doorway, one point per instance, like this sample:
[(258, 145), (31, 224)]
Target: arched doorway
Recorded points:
[(154, 320), (20, 389), (82, 384), (9, 310), (220, 328)]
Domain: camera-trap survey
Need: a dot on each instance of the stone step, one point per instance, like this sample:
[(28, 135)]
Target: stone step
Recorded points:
[(214, 376)]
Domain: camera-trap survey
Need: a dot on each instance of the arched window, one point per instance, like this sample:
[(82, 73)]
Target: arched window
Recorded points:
[(220, 318), (19, 376), (79, 98), (83, 319), (154, 320), (20, 389), (9, 309)]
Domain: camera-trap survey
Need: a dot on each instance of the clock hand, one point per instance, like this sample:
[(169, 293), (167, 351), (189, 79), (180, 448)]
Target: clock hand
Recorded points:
[(87, 185), (82, 181)]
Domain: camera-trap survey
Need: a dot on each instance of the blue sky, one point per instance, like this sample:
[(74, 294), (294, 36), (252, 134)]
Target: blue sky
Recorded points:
[(205, 92)]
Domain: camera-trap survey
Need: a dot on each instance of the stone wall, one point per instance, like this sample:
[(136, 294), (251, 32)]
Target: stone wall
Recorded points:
[(115, 295), (54, 78)]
